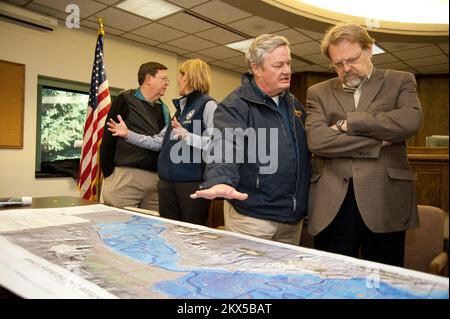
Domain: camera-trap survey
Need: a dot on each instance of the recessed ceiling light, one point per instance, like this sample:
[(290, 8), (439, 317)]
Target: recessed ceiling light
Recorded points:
[(377, 50), (410, 11), (241, 45), (154, 9)]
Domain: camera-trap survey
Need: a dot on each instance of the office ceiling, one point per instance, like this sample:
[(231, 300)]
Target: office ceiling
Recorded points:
[(205, 26)]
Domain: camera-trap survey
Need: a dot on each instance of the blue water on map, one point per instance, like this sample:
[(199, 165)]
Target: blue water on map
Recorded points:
[(139, 238)]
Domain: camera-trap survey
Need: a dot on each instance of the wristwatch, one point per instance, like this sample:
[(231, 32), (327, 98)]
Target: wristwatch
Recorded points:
[(339, 125)]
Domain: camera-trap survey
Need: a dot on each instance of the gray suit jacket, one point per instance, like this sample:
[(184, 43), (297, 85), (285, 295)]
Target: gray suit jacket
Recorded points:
[(388, 110)]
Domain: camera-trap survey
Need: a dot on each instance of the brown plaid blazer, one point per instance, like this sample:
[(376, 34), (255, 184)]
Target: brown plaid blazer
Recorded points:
[(388, 110)]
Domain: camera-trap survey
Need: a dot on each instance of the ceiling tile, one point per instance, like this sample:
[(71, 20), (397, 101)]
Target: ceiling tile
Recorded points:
[(293, 36), (47, 11), (185, 22), (255, 26), (393, 65), (438, 68), (312, 34), (238, 60), (438, 59), (444, 47), (94, 25), (183, 33), (171, 48), (187, 3), (159, 32), (220, 53), (241, 70), (221, 12), (195, 55), (17, 2), (87, 7), (383, 58), (120, 19), (307, 48), (219, 35), (191, 43), (317, 58), (398, 46), (429, 50), (139, 38)]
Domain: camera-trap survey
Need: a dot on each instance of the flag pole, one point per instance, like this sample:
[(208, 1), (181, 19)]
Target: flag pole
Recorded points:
[(90, 177), (99, 177)]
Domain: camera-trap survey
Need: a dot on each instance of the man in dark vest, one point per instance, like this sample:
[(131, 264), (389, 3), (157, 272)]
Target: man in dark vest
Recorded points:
[(130, 171)]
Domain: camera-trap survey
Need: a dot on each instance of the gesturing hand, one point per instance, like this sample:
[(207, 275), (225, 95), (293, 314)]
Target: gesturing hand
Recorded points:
[(118, 129), (179, 132), (175, 122)]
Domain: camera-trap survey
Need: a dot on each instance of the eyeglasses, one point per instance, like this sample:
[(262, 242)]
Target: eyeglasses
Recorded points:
[(351, 61), (164, 78)]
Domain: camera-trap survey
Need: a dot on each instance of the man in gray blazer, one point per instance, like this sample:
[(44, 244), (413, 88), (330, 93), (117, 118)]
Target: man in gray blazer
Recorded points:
[(362, 197)]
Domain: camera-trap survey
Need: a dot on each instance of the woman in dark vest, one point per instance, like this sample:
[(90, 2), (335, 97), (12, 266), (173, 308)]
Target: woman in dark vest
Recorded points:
[(180, 165)]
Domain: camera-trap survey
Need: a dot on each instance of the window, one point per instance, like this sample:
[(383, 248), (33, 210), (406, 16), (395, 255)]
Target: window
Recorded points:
[(61, 114)]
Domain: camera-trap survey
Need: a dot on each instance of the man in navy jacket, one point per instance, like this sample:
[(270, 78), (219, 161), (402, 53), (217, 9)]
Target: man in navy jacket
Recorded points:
[(264, 167)]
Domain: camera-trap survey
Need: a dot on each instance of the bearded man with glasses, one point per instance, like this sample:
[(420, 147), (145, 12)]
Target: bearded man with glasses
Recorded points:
[(357, 127)]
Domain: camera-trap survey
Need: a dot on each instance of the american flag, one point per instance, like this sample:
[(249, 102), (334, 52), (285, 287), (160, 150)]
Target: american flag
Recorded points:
[(98, 108)]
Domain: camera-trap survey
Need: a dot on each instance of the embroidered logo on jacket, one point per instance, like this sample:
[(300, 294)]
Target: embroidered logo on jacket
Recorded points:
[(190, 115)]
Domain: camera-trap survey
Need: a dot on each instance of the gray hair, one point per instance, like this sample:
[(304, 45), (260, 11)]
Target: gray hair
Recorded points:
[(263, 44)]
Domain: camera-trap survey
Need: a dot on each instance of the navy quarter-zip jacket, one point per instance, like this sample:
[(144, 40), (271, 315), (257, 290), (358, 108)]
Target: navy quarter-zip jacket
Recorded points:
[(281, 196)]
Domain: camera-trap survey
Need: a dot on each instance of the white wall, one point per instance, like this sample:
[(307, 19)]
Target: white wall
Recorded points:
[(68, 54)]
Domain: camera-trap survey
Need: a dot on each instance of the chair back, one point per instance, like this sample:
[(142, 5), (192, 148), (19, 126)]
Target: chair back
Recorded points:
[(424, 243)]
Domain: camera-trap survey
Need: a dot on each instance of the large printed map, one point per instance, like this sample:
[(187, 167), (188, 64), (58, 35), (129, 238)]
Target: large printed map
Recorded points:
[(102, 252)]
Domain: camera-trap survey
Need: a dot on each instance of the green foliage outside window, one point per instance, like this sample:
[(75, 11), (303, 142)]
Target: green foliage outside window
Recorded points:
[(63, 115)]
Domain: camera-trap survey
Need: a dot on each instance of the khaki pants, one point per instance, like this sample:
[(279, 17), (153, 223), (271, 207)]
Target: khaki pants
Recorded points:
[(282, 232), (133, 187)]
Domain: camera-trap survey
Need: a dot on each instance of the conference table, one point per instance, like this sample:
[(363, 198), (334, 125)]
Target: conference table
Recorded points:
[(52, 202), (66, 247), (44, 202)]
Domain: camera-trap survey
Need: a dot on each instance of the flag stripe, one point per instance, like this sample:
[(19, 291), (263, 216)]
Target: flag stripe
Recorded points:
[(98, 108)]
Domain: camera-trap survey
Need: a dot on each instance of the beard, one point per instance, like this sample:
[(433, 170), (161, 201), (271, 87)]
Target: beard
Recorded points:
[(352, 80)]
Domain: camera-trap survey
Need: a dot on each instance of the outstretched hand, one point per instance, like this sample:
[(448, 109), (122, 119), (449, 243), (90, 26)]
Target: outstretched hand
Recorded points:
[(118, 129), (220, 190)]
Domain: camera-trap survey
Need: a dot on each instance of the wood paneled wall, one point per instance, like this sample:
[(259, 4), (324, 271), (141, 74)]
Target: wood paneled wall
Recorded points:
[(430, 167), (433, 95), (300, 82), (432, 91)]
